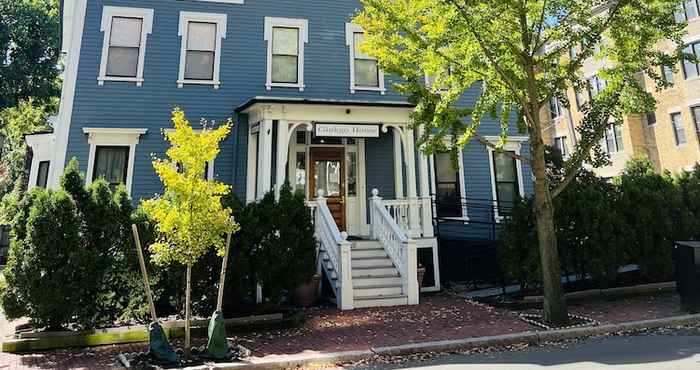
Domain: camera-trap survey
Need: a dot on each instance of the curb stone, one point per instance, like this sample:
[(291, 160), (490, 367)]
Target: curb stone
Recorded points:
[(530, 337)]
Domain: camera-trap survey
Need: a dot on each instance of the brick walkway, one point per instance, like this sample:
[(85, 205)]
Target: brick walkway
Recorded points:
[(329, 330)]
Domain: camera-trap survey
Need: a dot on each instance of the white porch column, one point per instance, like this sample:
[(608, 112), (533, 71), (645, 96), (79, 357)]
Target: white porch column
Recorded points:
[(414, 213), (264, 176), (398, 165), (251, 173), (426, 215), (282, 155)]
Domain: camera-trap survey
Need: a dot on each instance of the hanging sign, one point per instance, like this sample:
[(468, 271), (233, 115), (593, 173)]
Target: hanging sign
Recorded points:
[(341, 130)]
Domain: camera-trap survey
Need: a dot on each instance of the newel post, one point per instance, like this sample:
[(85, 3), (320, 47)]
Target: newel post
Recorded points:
[(412, 271), (374, 202), (346, 288)]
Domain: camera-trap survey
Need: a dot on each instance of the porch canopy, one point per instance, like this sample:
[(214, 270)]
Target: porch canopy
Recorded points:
[(273, 123)]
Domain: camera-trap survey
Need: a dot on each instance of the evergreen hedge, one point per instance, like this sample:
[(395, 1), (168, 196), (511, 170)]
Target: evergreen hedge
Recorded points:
[(602, 226), (73, 260)]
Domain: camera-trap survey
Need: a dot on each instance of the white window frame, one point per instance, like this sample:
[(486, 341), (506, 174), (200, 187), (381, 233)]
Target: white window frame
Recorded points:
[(303, 26), (350, 30), (447, 140), (221, 21), (108, 13), (43, 146), (126, 137), (514, 144)]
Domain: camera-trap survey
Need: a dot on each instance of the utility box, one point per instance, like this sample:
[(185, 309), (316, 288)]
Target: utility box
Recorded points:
[(687, 260)]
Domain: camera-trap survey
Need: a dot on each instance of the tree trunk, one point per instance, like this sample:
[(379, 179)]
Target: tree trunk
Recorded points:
[(554, 305), (188, 339)]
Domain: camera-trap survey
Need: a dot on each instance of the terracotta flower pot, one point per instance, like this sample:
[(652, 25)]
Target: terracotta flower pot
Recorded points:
[(420, 274), (305, 294)]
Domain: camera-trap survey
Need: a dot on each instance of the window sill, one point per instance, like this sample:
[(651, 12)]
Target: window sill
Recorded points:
[(102, 79), (270, 85), (182, 83), (355, 89)]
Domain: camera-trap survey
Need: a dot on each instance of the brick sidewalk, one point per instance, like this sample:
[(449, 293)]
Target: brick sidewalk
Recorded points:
[(329, 330)]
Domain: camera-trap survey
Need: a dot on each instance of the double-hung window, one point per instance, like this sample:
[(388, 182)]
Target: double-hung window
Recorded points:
[(111, 164), (612, 141), (124, 46), (112, 154), (595, 86), (690, 68), (365, 74), (286, 39), (200, 50), (555, 110), (678, 128), (695, 112), (507, 189), (560, 143), (448, 187), (667, 74)]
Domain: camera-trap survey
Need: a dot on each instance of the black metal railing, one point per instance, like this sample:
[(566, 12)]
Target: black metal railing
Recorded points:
[(469, 234)]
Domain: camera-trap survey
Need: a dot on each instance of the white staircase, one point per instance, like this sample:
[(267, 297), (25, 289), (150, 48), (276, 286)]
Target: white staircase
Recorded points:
[(367, 273), (375, 280)]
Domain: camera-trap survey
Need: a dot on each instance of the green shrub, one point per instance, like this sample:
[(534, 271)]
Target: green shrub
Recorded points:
[(519, 254), (654, 214)]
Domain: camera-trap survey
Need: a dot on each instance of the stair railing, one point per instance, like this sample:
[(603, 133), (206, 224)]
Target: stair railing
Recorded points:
[(397, 244), (336, 246)]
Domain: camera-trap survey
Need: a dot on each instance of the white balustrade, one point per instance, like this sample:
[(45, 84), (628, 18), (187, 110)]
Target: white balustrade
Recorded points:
[(397, 242), (336, 247)]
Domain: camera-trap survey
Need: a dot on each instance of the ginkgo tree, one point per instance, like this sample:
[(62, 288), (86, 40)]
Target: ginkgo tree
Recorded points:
[(518, 55), (189, 216)]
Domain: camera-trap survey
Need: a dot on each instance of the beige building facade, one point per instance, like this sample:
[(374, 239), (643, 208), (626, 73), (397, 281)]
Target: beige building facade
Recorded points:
[(670, 137)]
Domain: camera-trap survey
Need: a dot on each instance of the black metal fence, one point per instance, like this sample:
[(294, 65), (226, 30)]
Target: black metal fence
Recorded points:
[(469, 244)]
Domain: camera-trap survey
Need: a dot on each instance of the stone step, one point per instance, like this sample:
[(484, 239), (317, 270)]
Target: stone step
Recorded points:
[(371, 262), (373, 271), (381, 301), (378, 291)]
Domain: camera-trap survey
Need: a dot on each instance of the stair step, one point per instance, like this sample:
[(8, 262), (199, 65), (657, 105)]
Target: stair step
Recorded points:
[(363, 253), (373, 271), (376, 281), (379, 291), (372, 262), (366, 244), (381, 301)]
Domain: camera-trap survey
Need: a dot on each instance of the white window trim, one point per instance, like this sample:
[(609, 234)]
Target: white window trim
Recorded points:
[(514, 144), (108, 13), (447, 140), (303, 26), (221, 21), (126, 137), (350, 30)]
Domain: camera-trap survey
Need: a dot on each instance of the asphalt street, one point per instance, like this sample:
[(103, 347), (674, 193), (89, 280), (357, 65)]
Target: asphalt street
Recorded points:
[(663, 350)]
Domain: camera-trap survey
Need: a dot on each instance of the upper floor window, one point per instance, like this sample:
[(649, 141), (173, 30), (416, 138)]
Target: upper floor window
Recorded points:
[(561, 144), (285, 52), (678, 128), (651, 119), (595, 86), (612, 142), (667, 73), (695, 112), (365, 73), (200, 51), (124, 46), (688, 10), (555, 110), (690, 68)]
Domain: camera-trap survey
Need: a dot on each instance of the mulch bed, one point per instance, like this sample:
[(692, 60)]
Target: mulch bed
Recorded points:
[(439, 317)]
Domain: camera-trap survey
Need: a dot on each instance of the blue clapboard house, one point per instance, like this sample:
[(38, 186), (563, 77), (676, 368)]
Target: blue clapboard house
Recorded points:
[(309, 108)]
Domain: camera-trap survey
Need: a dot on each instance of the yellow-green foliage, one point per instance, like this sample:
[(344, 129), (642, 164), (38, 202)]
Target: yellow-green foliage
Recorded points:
[(189, 216)]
